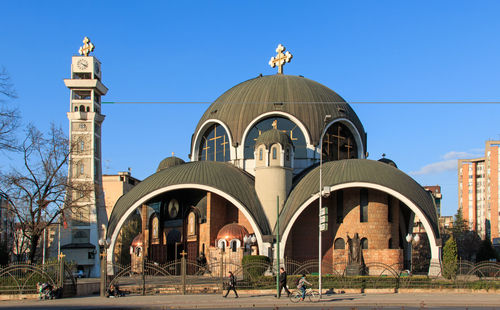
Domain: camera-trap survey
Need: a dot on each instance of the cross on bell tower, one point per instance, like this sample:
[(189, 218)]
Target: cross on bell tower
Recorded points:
[(86, 48), (280, 59)]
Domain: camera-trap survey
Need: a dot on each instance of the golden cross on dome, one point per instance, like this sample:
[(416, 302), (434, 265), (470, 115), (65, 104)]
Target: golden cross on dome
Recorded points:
[(86, 48), (280, 59)]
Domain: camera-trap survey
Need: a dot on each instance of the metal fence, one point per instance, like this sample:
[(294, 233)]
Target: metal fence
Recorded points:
[(22, 278), (184, 276)]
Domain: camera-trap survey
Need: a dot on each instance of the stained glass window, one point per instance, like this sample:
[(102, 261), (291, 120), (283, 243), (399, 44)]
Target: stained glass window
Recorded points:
[(214, 145), (283, 124), (339, 143)]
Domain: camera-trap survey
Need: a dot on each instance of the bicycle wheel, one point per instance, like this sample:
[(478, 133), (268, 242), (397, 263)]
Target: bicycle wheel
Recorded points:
[(295, 296), (313, 296)]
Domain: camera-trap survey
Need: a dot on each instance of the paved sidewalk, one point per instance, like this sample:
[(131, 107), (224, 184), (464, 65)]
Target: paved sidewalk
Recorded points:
[(349, 301)]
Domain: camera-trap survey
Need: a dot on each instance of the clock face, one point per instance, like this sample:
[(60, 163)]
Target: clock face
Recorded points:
[(82, 64), (173, 208)]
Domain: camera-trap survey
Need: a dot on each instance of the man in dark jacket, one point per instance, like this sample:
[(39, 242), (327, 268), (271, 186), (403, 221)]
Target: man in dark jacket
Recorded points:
[(283, 282), (231, 285)]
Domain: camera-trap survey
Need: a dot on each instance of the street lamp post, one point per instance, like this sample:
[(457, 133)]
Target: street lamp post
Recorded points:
[(409, 238), (320, 256), (103, 245)]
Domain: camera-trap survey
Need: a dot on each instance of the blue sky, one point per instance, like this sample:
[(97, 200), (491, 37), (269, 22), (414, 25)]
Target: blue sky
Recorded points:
[(194, 51)]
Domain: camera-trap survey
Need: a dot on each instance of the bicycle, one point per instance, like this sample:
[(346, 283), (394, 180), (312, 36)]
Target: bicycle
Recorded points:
[(296, 295)]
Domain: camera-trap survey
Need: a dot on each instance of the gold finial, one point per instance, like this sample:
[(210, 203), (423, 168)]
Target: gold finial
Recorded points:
[(86, 48), (275, 124), (280, 59), (172, 154)]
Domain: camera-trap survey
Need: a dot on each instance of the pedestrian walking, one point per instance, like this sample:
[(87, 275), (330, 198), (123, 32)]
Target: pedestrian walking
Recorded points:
[(283, 281), (231, 285)]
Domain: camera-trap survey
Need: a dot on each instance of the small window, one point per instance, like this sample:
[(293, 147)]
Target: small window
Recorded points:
[(260, 154), (364, 243), (221, 244), (363, 205), (274, 153), (76, 109), (235, 244), (88, 109), (389, 208), (82, 146), (391, 245), (340, 206), (287, 156), (82, 108), (82, 169), (339, 244)]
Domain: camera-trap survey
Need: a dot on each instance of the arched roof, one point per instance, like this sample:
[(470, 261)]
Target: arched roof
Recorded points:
[(305, 99), (222, 176), (359, 170)]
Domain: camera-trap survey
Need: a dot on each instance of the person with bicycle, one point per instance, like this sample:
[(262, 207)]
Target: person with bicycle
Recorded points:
[(302, 286)]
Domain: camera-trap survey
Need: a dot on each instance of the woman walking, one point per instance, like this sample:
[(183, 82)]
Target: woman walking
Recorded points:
[(231, 285)]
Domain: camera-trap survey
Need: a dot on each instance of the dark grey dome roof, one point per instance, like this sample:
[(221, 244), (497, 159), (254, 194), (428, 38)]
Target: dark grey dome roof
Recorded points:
[(273, 136), (305, 99), (388, 161), (169, 162)]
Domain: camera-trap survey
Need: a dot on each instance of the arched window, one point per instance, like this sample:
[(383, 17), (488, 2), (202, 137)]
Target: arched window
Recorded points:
[(82, 108), (364, 243), (275, 152), (82, 168), (221, 244), (88, 109), (339, 244), (260, 154), (235, 244), (76, 109), (214, 144), (82, 145), (283, 124), (339, 143)]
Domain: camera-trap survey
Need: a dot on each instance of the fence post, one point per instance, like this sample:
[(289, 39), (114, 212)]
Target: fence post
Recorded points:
[(221, 272), (183, 272), (61, 271), (143, 276)]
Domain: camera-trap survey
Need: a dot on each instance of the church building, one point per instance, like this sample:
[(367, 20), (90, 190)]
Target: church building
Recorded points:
[(264, 157)]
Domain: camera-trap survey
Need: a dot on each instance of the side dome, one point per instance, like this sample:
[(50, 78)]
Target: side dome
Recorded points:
[(388, 161), (273, 136), (169, 162), (138, 241), (304, 99), (232, 231)]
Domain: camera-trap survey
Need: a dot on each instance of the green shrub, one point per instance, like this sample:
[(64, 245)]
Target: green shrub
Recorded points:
[(254, 266), (450, 259)]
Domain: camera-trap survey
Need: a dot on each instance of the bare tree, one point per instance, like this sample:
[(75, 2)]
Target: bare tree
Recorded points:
[(37, 191), (9, 115)]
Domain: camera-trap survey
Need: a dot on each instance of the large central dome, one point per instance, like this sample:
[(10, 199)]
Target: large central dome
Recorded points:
[(305, 99)]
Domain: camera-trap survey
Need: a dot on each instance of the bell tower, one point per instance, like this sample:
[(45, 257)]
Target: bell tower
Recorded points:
[(88, 219)]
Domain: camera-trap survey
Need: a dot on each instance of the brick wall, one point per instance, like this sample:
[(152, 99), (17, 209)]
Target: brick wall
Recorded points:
[(302, 244)]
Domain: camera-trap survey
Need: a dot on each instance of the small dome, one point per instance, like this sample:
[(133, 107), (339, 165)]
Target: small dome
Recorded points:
[(169, 162), (388, 161), (273, 136), (232, 231), (137, 242)]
